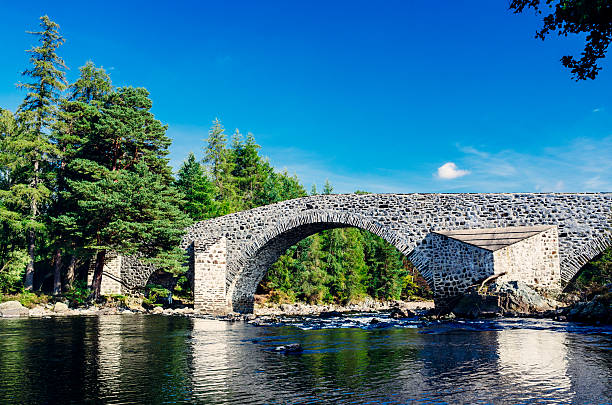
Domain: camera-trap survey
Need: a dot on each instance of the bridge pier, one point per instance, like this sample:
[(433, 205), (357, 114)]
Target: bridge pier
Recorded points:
[(209, 275)]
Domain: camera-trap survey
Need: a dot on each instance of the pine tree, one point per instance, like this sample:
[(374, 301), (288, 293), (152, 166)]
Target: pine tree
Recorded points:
[(131, 212), (76, 122), (198, 190), (247, 169), (355, 269), (14, 206), (327, 188), (37, 113), (118, 183), (221, 162)]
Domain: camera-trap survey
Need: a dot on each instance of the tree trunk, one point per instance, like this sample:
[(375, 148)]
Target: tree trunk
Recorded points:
[(31, 237), (57, 274), (97, 276), (70, 272), (29, 276)]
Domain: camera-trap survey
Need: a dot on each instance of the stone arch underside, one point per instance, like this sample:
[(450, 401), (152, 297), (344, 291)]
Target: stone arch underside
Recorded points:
[(404, 220), (266, 250)]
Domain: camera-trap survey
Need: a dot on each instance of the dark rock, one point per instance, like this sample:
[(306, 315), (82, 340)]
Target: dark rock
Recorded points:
[(293, 348), (399, 313), (474, 305), (329, 314), (598, 310), (374, 321)]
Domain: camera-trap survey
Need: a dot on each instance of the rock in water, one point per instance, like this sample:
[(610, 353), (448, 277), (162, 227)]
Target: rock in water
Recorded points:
[(596, 311), (519, 297), (330, 314), (13, 309), (293, 348), (399, 313)]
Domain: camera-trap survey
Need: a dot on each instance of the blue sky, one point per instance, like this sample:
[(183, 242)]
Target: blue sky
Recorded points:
[(392, 96)]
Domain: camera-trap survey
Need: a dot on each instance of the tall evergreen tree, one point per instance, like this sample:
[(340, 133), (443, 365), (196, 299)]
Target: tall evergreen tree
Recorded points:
[(14, 206), (118, 184), (198, 191), (221, 163), (77, 117), (37, 113), (327, 188)]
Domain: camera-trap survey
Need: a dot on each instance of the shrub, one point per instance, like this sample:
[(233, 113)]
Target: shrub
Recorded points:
[(13, 270), (155, 295), (79, 294), (281, 297), (183, 288)]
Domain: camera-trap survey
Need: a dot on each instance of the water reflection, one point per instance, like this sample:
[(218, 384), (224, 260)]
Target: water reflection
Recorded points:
[(156, 359), (536, 361)]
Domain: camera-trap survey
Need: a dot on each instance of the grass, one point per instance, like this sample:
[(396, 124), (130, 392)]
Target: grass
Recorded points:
[(27, 298)]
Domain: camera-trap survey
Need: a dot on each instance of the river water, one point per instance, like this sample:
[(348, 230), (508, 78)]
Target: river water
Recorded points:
[(149, 359)]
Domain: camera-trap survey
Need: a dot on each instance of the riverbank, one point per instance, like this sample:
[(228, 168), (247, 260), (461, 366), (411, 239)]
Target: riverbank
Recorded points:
[(12, 309), (510, 303)]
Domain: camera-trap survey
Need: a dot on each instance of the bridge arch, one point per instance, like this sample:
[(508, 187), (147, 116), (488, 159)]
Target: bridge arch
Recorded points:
[(267, 247), (249, 241)]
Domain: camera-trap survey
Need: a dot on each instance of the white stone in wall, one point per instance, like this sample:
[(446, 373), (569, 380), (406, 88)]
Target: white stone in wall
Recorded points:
[(111, 275)]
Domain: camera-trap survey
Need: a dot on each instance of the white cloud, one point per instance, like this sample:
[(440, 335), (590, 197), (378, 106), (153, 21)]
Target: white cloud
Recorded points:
[(450, 171)]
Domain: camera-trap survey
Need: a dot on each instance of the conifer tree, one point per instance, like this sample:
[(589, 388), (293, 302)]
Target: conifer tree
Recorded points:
[(118, 183), (327, 188), (76, 121), (221, 163), (197, 189), (14, 206), (37, 113)]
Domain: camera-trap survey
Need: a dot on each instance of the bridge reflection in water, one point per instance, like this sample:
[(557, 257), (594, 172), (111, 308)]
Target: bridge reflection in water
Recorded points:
[(154, 359)]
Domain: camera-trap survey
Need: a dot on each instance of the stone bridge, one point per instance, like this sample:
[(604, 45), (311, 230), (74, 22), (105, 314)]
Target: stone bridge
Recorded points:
[(231, 254)]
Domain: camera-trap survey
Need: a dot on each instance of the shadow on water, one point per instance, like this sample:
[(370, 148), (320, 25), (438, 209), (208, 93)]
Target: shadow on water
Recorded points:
[(157, 359)]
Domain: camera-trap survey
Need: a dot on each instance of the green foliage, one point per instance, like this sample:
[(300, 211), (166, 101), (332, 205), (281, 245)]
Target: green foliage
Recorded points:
[(155, 295), (26, 298), (79, 294), (342, 265), (590, 17), (198, 191), (595, 274), (13, 270), (183, 289)]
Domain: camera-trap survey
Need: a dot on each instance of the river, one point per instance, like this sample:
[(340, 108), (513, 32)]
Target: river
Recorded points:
[(150, 359)]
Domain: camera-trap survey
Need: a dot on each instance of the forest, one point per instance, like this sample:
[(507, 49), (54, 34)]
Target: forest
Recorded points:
[(84, 171)]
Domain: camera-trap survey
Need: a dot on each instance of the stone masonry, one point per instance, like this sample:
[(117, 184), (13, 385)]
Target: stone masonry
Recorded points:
[(464, 258), (254, 239), (111, 275), (209, 258)]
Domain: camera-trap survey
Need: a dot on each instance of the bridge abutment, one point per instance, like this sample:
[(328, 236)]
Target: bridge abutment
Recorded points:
[(209, 275)]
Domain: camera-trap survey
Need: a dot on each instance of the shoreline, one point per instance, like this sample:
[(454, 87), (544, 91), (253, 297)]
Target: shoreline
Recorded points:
[(591, 312)]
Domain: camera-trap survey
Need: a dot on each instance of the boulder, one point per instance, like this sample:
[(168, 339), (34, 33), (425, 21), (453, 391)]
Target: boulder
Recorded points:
[(60, 308), (330, 314), (107, 311), (157, 310), (519, 297), (294, 348), (596, 311), (399, 313), (475, 305), (13, 309)]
